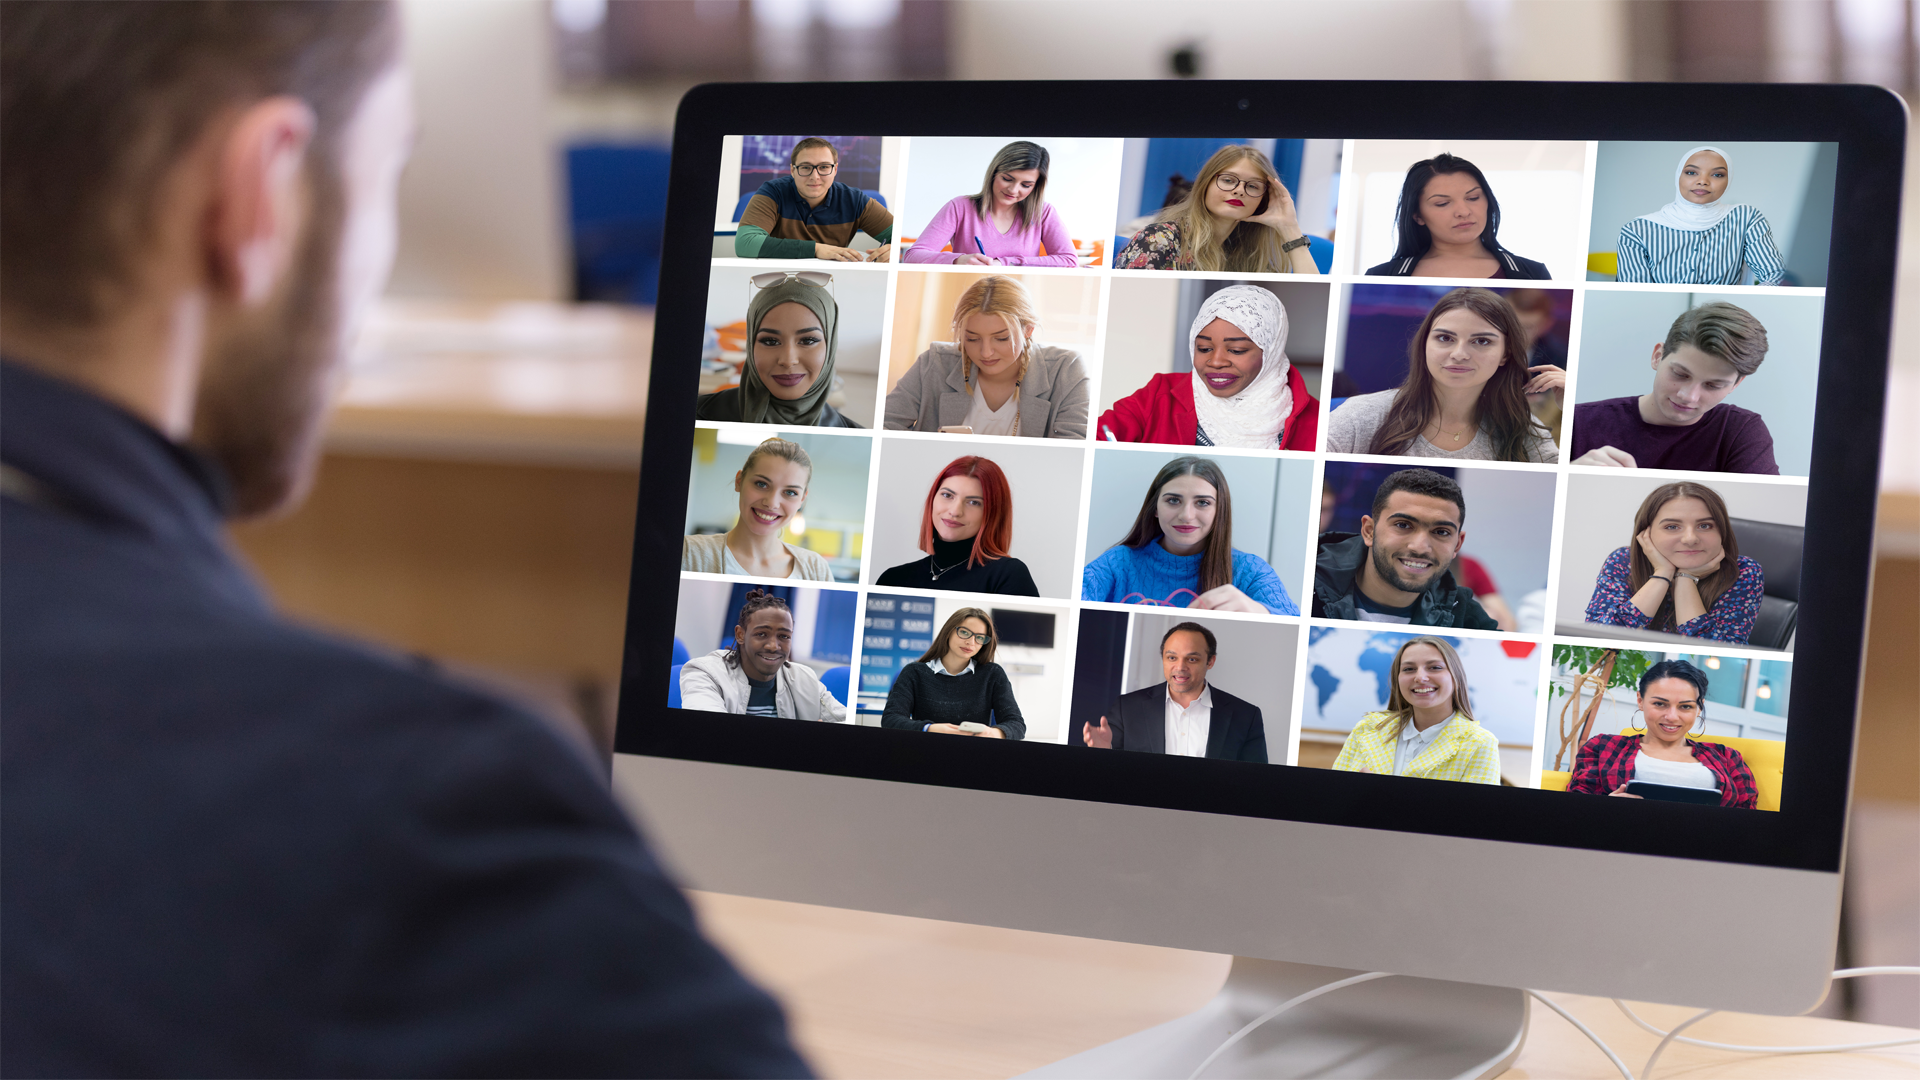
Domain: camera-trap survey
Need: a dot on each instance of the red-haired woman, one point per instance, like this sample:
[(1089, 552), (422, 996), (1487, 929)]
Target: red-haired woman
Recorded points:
[(965, 530)]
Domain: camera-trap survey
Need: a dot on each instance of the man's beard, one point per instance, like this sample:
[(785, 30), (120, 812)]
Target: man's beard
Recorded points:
[(1384, 566), (262, 401)]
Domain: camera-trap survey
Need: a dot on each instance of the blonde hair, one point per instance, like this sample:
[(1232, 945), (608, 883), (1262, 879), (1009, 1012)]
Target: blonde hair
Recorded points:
[(995, 295), (1203, 241), (1397, 703), (780, 448)]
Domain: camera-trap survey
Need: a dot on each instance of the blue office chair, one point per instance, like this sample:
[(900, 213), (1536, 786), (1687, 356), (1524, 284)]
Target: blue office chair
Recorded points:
[(680, 653), (835, 680), (673, 685), (616, 211)]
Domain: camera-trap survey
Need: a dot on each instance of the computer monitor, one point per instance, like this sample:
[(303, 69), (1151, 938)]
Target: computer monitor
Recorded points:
[(1417, 423)]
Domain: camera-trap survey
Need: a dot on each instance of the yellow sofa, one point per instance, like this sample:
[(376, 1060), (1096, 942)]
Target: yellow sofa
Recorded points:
[(1765, 757)]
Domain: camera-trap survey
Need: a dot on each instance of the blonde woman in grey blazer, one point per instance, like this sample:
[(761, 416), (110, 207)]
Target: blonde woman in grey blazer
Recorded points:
[(992, 377)]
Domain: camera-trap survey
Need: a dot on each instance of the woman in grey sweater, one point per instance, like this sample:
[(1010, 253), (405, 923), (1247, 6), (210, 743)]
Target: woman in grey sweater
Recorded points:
[(992, 378)]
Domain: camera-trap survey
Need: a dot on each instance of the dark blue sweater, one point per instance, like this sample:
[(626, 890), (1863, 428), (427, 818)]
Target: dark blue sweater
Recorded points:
[(235, 846)]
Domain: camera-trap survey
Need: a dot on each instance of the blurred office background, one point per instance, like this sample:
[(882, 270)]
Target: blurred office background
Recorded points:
[(479, 500)]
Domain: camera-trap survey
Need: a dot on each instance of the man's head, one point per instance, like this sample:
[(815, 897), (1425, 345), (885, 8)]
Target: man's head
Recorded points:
[(1708, 350), (1186, 655), (1415, 529), (813, 164), (196, 204)]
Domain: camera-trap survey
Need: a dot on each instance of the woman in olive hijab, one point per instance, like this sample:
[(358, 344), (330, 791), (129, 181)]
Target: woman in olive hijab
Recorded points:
[(791, 335)]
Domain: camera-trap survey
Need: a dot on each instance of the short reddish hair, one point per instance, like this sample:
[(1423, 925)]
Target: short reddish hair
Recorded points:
[(996, 531)]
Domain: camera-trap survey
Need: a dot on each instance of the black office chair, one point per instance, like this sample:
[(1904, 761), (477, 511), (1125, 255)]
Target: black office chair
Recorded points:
[(1777, 549)]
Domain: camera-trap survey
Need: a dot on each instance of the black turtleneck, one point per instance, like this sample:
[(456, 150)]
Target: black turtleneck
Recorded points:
[(1006, 575)]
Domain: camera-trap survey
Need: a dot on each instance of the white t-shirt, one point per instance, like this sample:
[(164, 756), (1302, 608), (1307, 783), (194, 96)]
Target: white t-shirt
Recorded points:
[(985, 421), (1689, 774)]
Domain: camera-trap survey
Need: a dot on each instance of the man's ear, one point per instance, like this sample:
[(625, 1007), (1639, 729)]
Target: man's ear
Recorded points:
[(1659, 350), (1366, 529), (258, 204)]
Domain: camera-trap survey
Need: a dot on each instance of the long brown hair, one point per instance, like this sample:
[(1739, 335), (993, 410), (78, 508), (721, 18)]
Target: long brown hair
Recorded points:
[(944, 639), (1397, 703), (1015, 157), (1640, 568), (1216, 559), (1502, 410), (1240, 245)]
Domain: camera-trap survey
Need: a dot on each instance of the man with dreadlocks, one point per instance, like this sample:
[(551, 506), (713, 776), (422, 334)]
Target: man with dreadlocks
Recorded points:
[(755, 676)]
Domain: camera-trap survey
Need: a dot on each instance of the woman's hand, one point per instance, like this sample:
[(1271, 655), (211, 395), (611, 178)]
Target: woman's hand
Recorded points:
[(1099, 737), (1227, 598), (1621, 792), (1281, 215), (968, 259), (991, 733), (945, 729), (1547, 379), (1661, 565), (1709, 569)]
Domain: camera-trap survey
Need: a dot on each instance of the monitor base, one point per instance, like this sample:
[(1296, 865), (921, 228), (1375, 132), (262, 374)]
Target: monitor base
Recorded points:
[(1393, 1027)]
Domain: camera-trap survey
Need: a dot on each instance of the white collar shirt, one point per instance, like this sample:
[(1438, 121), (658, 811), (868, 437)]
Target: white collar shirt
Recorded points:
[(1187, 727), (938, 667), (1412, 741)]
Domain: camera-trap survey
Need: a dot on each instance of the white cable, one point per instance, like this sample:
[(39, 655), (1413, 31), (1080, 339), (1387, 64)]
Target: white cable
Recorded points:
[(1584, 1030), (1647, 1073), (1846, 973), (1283, 1007)]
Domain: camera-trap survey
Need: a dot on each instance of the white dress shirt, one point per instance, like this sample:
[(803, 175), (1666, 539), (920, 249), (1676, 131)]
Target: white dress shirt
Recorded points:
[(1412, 741), (1187, 727)]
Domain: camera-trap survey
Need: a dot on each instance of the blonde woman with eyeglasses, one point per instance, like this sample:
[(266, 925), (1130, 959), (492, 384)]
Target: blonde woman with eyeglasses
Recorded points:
[(992, 378), (1238, 217)]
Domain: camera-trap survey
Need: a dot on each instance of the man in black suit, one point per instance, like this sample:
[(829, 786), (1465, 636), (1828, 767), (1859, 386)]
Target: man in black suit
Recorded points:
[(237, 846), (1184, 715)]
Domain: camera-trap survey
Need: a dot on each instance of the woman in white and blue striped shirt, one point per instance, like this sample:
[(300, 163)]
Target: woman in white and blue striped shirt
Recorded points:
[(1700, 238)]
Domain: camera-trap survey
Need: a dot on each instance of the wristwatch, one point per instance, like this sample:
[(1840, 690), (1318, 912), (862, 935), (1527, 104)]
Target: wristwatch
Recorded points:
[(1298, 242)]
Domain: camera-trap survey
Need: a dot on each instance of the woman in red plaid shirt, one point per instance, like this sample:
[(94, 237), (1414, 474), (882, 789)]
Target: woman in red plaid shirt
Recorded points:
[(1673, 696)]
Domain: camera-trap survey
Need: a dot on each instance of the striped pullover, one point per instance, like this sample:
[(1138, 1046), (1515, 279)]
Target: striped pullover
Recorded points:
[(1660, 254)]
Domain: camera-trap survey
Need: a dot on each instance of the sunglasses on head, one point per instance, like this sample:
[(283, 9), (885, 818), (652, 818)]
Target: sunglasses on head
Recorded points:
[(815, 278)]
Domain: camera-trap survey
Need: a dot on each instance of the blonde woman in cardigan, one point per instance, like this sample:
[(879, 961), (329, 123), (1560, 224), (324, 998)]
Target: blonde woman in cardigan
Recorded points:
[(1428, 728), (773, 491)]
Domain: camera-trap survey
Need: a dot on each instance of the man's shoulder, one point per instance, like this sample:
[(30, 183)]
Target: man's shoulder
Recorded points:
[(1146, 695), (1614, 404), (1225, 702)]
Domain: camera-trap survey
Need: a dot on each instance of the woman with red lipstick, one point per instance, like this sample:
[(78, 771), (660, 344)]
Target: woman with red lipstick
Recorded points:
[(1239, 217), (1180, 551), (1427, 729), (1701, 237), (1449, 224), (993, 377), (1242, 391), (773, 490), (1465, 395), (965, 530), (955, 688), (792, 325), (1008, 223), (1683, 572), (1673, 699)]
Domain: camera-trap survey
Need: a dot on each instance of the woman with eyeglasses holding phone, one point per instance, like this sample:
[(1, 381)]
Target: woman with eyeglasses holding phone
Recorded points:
[(791, 335), (955, 688), (1238, 217)]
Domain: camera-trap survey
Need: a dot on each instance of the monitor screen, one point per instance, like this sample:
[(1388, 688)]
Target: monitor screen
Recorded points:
[(1456, 485)]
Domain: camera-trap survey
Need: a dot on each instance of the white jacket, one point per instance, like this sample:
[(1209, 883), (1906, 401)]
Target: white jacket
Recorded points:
[(711, 684)]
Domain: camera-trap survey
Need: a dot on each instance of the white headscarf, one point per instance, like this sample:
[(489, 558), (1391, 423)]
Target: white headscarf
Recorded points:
[(1693, 216), (1256, 417)]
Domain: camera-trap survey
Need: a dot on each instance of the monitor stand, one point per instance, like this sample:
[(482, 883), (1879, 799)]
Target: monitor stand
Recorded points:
[(1391, 1027)]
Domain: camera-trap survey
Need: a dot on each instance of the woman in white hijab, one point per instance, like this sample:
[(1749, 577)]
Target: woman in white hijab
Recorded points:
[(1702, 237), (1242, 391)]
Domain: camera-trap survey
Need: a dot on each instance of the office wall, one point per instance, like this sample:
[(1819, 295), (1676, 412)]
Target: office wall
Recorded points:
[(1080, 180), (1043, 475), (1270, 505), (1599, 519), (1244, 668), (1620, 329)]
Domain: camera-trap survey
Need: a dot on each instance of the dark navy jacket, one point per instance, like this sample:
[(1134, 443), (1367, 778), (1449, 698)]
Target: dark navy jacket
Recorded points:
[(235, 846), (1336, 572), (1511, 266)]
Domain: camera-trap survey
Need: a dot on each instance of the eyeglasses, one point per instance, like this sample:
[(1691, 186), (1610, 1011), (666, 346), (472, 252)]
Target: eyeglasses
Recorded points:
[(804, 169), (965, 634), (1226, 181)]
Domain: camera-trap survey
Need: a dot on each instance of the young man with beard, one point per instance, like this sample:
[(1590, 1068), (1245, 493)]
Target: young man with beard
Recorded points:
[(1183, 716), (1397, 569), (236, 846)]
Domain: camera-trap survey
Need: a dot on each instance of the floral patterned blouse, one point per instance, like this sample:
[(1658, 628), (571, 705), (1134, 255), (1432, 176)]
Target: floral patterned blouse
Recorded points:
[(1156, 247), (1729, 619)]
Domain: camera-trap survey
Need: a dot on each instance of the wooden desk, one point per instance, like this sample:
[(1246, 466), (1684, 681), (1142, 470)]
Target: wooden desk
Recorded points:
[(891, 996)]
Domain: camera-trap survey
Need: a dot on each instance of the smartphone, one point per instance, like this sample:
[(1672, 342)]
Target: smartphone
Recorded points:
[(957, 429)]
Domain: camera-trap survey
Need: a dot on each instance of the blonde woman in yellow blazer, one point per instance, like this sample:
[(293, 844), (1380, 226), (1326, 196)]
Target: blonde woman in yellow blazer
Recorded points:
[(1428, 729)]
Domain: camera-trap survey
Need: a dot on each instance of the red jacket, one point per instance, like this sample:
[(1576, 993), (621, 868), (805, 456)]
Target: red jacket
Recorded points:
[(1162, 412)]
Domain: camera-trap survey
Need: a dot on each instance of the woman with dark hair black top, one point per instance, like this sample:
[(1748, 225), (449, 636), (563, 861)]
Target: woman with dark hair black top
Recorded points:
[(1449, 222)]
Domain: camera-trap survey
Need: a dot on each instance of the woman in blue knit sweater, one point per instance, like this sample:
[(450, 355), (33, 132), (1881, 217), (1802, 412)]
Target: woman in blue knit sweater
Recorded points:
[(1180, 551)]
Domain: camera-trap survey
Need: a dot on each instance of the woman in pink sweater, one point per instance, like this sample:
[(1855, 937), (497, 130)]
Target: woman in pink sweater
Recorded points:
[(1007, 224)]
